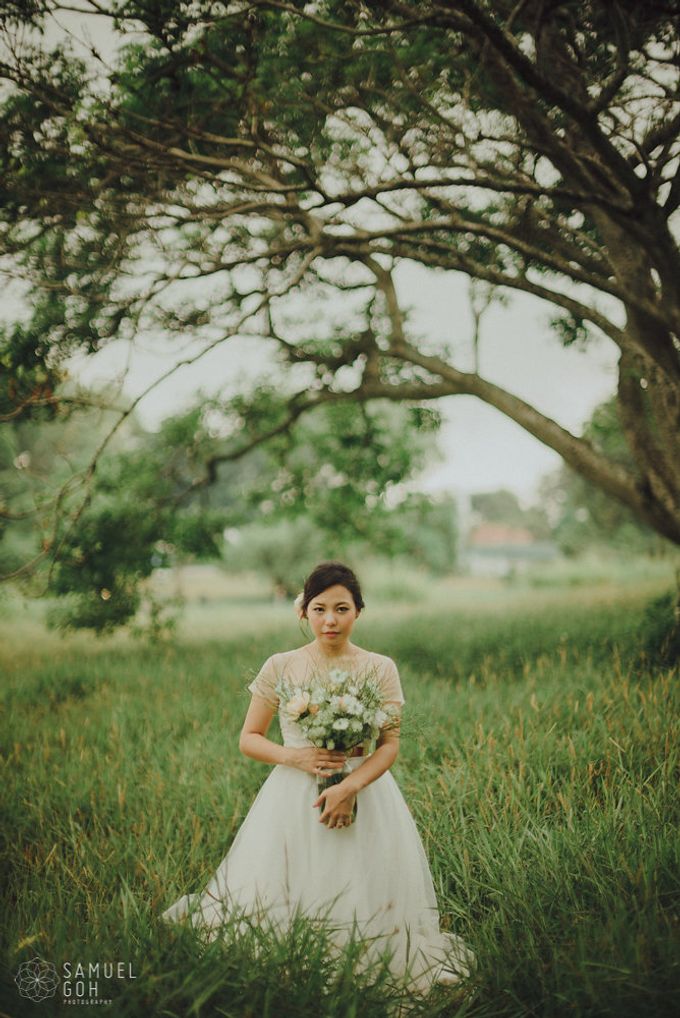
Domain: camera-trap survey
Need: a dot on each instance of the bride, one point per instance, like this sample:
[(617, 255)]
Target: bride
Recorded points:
[(297, 849)]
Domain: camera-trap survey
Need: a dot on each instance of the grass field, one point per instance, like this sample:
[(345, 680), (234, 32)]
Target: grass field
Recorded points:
[(540, 758)]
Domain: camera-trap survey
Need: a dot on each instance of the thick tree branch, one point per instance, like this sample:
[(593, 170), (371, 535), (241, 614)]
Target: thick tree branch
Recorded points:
[(577, 452)]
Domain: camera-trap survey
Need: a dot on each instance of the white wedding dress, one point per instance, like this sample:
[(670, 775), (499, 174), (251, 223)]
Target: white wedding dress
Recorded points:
[(374, 872)]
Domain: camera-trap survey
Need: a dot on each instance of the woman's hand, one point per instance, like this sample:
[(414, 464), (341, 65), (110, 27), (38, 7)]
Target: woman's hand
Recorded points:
[(322, 763), (337, 805)]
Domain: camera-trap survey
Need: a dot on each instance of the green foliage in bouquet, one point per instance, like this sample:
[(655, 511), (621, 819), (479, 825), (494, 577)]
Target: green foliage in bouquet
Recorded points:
[(339, 710)]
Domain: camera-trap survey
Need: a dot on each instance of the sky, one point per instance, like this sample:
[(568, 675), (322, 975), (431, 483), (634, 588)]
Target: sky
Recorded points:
[(481, 449)]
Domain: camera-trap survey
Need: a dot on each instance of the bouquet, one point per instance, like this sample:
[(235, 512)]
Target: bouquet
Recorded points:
[(337, 710)]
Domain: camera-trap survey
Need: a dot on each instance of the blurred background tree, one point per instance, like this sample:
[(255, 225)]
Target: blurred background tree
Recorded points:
[(583, 518), (165, 497), (503, 506)]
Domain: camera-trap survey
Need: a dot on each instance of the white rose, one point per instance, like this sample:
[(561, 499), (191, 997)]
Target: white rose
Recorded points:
[(341, 724)]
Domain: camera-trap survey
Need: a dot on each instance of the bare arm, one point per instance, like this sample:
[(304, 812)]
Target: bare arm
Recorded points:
[(253, 741)]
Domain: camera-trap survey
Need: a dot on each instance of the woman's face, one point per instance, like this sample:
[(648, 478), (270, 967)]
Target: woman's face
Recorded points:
[(331, 614)]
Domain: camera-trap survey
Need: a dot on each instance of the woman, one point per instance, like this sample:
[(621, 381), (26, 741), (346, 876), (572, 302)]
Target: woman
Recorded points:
[(298, 849)]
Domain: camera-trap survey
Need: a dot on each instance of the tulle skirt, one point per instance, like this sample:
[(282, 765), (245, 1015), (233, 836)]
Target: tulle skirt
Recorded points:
[(371, 877)]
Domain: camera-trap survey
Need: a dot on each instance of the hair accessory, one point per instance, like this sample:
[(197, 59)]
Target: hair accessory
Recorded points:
[(297, 604)]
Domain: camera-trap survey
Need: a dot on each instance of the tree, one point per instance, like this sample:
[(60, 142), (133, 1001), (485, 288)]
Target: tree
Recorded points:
[(583, 517), (126, 527), (284, 550), (502, 506), (241, 163), (418, 530), (424, 531), (144, 507)]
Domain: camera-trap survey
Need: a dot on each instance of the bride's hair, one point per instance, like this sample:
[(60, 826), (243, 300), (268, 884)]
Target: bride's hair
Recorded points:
[(326, 575)]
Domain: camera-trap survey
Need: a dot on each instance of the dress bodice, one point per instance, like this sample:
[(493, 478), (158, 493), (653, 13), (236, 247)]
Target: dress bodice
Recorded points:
[(299, 665)]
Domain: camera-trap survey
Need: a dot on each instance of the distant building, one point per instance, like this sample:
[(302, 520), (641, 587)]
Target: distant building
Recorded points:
[(496, 549)]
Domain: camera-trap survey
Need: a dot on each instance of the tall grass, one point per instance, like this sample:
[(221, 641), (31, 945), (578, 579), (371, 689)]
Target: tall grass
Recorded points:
[(539, 757)]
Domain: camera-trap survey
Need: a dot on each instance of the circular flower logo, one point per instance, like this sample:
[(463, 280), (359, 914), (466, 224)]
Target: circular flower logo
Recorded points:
[(37, 979)]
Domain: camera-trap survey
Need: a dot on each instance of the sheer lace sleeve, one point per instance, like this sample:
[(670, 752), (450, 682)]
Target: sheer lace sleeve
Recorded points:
[(264, 682), (391, 682)]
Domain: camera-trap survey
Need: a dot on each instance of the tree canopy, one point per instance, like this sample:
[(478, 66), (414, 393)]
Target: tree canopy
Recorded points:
[(239, 164)]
